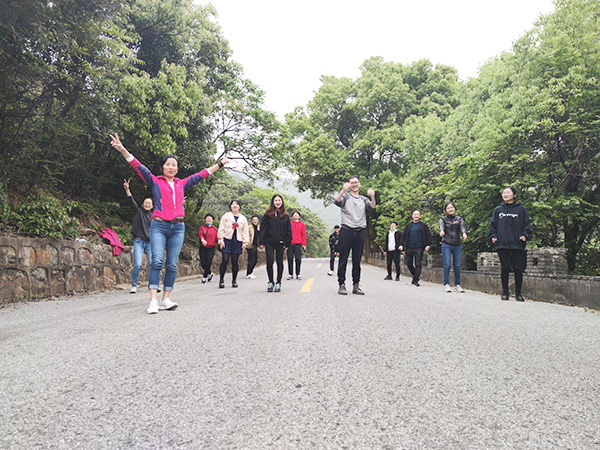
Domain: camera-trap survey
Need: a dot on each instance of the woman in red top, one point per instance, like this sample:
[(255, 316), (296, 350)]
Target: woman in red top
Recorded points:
[(208, 242)]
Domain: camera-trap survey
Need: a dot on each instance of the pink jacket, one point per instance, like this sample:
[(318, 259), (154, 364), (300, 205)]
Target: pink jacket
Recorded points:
[(164, 208)]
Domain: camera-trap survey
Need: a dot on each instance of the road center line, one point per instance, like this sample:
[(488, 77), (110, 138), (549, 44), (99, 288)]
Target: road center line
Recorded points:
[(307, 285)]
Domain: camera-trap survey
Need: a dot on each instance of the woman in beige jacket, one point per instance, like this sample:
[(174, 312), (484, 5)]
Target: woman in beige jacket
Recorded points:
[(233, 238)]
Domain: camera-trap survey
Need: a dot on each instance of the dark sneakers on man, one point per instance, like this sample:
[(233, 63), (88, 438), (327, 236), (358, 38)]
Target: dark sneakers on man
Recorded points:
[(356, 290), (504, 297), (342, 290), (415, 282), (520, 298), (389, 277)]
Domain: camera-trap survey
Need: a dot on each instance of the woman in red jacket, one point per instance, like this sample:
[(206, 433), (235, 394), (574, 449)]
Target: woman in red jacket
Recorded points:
[(208, 242)]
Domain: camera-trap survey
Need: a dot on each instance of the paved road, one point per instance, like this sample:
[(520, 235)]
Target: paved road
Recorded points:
[(400, 368)]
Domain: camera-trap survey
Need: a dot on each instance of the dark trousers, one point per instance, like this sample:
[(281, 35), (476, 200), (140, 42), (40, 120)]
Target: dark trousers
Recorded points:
[(393, 257), (252, 259), (206, 257), (294, 253), (274, 253), (517, 259), (414, 257), (350, 241), (331, 260), (235, 267)]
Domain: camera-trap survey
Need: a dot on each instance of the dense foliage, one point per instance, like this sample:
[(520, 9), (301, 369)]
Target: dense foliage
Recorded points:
[(420, 138)]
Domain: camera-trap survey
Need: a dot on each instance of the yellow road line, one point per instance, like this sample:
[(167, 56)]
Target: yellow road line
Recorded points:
[(307, 285), (318, 266)]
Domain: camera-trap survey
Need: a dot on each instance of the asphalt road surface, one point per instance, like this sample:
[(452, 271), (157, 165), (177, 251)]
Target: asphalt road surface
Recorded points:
[(401, 367)]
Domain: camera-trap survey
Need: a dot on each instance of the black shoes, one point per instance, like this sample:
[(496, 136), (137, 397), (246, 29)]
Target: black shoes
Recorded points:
[(415, 282), (342, 290), (504, 297), (389, 277), (397, 278), (356, 290), (234, 283), (520, 298), (221, 284)]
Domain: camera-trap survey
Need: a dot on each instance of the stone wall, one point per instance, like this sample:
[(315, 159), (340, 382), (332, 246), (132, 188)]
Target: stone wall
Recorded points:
[(39, 268), (545, 278)]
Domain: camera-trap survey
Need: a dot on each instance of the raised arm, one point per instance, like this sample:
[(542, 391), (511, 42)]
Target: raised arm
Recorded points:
[(371, 193), (116, 143)]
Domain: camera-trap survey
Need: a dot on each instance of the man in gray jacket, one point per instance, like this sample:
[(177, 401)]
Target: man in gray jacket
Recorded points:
[(352, 233)]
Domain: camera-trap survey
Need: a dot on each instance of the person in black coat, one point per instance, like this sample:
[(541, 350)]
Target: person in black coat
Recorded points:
[(334, 248), (393, 242), (509, 232), (417, 239), (140, 230), (275, 236)]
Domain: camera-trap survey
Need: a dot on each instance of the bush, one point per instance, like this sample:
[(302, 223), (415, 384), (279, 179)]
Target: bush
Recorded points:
[(44, 215)]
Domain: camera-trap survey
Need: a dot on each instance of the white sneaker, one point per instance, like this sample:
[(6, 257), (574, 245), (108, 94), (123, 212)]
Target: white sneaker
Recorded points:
[(330, 273), (447, 288), (298, 277), (133, 290), (167, 304), (457, 288), (153, 308), (251, 276), (290, 277), (203, 280)]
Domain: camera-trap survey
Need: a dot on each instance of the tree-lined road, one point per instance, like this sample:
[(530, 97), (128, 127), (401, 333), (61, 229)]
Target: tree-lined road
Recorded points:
[(399, 368)]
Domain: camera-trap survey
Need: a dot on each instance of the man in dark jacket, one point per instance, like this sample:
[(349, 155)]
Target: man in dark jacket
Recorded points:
[(417, 238), (393, 242), (334, 248)]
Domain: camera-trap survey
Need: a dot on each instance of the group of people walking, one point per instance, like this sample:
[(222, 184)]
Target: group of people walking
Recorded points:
[(510, 229), (158, 229)]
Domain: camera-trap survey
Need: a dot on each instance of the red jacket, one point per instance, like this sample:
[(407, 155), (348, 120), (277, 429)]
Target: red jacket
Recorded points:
[(209, 234), (298, 233)]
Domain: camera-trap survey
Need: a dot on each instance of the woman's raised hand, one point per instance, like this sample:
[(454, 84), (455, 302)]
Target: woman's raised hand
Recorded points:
[(116, 142), (224, 160)]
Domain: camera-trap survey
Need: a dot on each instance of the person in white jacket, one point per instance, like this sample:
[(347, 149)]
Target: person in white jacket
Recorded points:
[(233, 238)]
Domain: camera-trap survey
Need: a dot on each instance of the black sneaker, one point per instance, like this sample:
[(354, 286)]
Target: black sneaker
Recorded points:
[(520, 298), (356, 290), (210, 277), (415, 282), (397, 278), (504, 297), (234, 283), (221, 284), (342, 290), (389, 277)]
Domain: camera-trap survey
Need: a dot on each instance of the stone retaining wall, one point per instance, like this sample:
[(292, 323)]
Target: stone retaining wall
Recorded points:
[(545, 277), (38, 268)]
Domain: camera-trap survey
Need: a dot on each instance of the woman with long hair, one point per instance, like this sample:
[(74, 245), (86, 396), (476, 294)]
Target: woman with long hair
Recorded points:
[(167, 229), (233, 237), (452, 229), (509, 232), (275, 236)]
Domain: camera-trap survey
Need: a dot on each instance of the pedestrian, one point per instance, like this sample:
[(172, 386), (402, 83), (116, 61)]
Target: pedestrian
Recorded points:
[(233, 238), (393, 241), (417, 239), (334, 248), (208, 240), (275, 236), (509, 232), (294, 252), (167, 228), (140, 230), (252, 247), (352, 234), (452, 229)]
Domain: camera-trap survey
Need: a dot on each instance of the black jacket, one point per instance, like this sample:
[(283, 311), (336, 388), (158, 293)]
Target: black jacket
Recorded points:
[(426, 238), (397, 236), (453, 228), (334, 242), (141, 222), (509, 223), (275, 230)]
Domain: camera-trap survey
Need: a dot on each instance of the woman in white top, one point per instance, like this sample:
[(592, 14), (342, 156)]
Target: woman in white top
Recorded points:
[(233, 238)]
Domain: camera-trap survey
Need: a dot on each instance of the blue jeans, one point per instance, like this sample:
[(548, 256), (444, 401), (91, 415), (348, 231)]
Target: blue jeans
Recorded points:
[(454, 252), (139, 246), (165, 236)]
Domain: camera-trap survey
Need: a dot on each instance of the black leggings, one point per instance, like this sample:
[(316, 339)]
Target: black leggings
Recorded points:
[(235, 267), (274, 253), (517, 259), (206, 257)]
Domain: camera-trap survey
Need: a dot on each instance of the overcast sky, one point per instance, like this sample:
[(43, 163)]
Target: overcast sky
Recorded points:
[(285, 47)]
